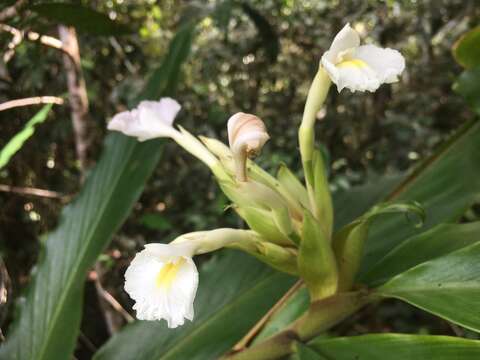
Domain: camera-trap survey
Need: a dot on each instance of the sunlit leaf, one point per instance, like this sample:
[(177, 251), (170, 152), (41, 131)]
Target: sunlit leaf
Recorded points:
[(466, 50), (16, 143)]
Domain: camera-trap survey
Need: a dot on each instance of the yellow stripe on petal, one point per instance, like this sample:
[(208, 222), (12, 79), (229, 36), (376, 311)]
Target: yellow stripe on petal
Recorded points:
[(355, 63), (168, 273)]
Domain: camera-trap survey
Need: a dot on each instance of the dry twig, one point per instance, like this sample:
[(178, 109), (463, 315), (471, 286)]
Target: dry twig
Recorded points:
[(31, 101)]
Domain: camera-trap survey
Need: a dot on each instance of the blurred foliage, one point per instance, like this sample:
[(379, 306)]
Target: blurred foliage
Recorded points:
[(257, 56)]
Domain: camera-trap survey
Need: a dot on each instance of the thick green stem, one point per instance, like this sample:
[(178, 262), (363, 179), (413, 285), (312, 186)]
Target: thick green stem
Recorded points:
[(321, 316), (306, 134)]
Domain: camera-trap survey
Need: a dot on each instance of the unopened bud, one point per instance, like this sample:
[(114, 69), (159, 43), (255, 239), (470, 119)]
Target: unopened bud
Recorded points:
[(246, 135)]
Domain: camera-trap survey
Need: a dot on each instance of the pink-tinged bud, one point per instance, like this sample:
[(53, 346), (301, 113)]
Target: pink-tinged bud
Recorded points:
[(246, 135)]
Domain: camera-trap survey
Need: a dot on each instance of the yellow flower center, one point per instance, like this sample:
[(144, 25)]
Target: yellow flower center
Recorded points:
[(356, 63), (168, 273)]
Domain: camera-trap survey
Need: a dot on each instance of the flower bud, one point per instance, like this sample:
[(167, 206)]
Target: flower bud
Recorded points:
[(246, 135)]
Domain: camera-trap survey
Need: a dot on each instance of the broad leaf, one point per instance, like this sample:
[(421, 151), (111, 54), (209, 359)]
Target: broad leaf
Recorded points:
[(446, 185), (468, 85), (82, 18), (466, 49), (19, 139), (448, 287), (228, 288), (50, 313), (441, 240), (396, 347)]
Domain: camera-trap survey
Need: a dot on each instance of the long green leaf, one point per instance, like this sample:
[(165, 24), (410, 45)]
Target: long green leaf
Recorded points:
[(50, 313), (446, 185), (397, 347), (431, 244), (19, 139), (227, 289), (448, 287)]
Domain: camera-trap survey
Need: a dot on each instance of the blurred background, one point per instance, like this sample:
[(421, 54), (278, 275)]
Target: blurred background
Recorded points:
[(252, 56)]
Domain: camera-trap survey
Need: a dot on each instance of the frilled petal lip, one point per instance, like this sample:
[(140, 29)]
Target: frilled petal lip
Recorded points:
[(360, 68), (151, 119), (174, 302)]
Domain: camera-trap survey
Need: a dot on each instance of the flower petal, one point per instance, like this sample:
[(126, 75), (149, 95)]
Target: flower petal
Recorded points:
[(356, 76), (346, 39), (152, 119), (119, 121), (163, 288), (387, 63)]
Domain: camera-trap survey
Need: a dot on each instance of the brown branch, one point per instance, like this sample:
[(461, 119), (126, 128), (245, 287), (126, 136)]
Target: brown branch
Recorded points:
[(110, 299), (31, 101), (77, 93), (255, 330)]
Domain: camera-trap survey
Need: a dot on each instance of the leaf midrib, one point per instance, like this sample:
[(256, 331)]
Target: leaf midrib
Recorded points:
[(70, 278)]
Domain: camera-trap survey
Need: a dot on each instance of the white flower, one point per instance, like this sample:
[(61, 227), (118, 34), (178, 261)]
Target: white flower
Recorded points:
[(151, 119), (360, 68), (163, 280), (246, 135)]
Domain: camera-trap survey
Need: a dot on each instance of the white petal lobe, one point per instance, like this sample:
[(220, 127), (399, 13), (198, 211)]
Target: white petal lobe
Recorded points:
[(151, 119), (360, 68), (163, 283)]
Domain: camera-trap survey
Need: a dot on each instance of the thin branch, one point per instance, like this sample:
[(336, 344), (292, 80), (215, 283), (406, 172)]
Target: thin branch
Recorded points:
[(255, 330), (33, 191), (31, 101), (112, 301), (19, 35)]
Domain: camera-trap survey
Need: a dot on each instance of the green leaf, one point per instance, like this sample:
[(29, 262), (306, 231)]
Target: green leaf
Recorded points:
[(50, 313), (468, 86), (438, 241), (293, 186), (448, 287), (19, 139), (303, 352), (351, 203), (291, 310), (466, 50), (446, 184), (316, 260), (82, 18), (397, 347), (224, 311)]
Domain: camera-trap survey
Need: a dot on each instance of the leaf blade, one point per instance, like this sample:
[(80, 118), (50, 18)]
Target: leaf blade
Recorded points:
[(448, 287)]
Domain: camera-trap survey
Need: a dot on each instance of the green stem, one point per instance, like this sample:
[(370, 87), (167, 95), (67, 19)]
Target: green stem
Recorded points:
[(306, 134)]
